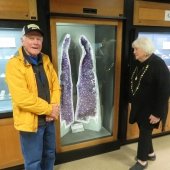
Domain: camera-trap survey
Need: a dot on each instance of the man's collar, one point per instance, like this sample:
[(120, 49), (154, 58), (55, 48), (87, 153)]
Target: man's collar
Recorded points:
[(30, 59)]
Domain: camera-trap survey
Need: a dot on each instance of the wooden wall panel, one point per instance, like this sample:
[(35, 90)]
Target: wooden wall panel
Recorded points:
[(104, 8), (167, 125), (150, 13), (10, 151), (20, 9)]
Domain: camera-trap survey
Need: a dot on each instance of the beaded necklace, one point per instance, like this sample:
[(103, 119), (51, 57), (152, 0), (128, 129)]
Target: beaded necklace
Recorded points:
[(134, 78)]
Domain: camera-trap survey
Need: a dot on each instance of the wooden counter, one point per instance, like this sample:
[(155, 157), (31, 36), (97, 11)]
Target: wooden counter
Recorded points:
[(9, 144)]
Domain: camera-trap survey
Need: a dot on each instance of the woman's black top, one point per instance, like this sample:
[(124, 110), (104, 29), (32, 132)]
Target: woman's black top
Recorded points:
[(149, 91)]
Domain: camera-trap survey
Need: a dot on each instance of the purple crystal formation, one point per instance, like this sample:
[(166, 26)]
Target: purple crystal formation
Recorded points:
[(86, 85), (66, 105)]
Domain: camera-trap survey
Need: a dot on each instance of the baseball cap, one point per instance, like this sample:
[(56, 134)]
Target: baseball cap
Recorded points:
[(31, 27)]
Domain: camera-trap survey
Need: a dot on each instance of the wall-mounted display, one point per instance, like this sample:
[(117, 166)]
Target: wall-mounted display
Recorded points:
[(161, 42), (9, 43), (80, 87), (87, 56)]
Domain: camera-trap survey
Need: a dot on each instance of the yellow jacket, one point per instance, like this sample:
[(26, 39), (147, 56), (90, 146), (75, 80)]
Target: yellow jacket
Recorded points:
[(23, 89)]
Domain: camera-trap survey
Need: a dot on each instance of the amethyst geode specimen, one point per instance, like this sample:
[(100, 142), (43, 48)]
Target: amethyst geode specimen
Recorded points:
[(88, 101), (66, 106)]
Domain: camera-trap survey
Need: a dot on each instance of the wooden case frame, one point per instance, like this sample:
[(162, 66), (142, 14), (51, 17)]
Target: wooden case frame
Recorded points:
[(112, 138)]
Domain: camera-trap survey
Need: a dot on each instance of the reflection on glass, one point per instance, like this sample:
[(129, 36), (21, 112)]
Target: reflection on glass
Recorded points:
[(9, 43), (86, 57), (162, 44)]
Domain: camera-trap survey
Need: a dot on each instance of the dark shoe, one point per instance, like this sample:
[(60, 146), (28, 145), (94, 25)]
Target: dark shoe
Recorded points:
[(150, 158), (138, 166)]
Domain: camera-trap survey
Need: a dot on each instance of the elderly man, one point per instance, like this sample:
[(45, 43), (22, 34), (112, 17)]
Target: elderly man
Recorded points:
[(35, 91)]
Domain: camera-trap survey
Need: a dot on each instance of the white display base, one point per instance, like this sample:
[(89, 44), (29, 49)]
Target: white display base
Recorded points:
[(77, 127), (93, 124), (64, 130)]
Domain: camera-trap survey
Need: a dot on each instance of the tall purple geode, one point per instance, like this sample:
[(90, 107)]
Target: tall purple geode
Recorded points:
[(88, 100), (66, 106)]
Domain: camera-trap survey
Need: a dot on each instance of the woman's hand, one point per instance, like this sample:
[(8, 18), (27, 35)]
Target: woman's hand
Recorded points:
[(153, 119)]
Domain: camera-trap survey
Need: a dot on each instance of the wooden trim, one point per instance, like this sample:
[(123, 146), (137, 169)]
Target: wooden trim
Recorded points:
[(150, 13), (121, 17), (167, 125), (95, 7), (53, 22), (87, 144), (4, 122), (54, 46), (98, 21), (117, 78), (33, 10), (55, 63)]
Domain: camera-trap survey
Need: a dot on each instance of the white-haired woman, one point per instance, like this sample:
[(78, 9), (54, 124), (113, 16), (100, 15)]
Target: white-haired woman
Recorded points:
[(149, 94)]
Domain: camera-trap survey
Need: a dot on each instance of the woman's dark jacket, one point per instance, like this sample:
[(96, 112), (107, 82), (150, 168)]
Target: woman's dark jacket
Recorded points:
[(151, 97)]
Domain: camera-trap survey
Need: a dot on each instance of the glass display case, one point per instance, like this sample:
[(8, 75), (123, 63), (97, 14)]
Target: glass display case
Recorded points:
[(161, 42), (9, 43), (87, 56)]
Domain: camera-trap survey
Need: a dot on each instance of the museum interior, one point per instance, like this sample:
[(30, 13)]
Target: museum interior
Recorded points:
[(93, 126)]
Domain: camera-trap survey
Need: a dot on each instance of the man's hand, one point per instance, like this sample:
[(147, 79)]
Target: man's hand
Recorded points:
[(54, 114)]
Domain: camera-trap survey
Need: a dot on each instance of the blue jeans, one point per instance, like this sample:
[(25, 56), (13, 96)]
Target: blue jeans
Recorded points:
[(38, 148)]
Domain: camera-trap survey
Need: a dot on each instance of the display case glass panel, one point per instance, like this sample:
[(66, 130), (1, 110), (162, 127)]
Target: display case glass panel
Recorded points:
[(86, 57), (161, 41), (9, 43)]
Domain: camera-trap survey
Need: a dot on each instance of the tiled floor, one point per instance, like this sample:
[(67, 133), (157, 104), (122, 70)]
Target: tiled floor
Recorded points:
[(124, 158)]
